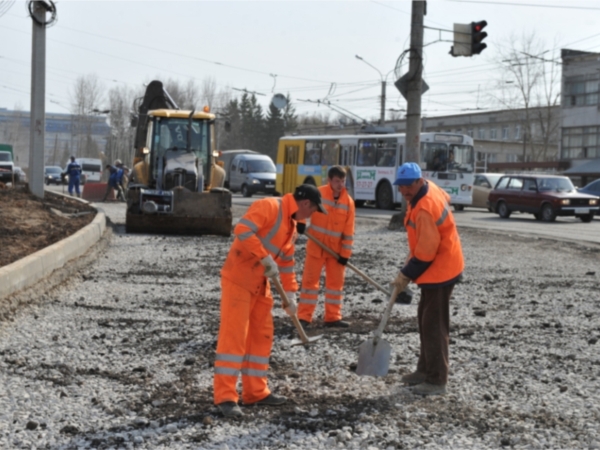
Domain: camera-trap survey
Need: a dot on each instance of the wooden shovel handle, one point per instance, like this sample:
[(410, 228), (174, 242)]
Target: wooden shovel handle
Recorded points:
[(286, 302), (349, 265)]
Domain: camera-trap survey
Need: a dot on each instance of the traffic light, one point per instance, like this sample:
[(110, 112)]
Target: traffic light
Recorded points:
[(467, 38), (477, 35)]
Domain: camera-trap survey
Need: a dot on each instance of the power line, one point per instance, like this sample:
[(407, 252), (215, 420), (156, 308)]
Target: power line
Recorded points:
[(525, 4)]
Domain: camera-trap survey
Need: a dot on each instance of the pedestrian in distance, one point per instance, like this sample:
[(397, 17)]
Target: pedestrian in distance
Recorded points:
[(435, 263), (73, 170), (336, 231), (263, 248)]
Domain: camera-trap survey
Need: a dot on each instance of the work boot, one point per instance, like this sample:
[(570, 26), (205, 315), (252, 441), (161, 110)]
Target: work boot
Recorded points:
[(413, 378), (337, 324), (429, 389), (304, 323), (230, 410), (272, 400)]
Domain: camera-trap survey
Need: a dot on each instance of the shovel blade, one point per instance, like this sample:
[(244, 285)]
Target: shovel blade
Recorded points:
[(311, 340), (374, 358)]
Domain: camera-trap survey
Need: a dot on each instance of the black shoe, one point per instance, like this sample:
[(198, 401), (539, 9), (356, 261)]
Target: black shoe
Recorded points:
[(230, 410), (338, 324), (272, 400), (304, 323)]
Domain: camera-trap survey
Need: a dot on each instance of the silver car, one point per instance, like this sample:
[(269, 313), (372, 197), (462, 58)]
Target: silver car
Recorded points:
[(482, 185)]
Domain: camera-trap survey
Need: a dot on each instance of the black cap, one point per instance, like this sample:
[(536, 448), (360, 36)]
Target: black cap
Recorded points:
[(310, 192)]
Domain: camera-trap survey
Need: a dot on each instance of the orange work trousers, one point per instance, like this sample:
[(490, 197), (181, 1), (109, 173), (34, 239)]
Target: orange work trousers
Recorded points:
[(244, 345), (334, 284)]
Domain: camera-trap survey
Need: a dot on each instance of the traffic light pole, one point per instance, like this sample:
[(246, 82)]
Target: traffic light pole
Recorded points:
[(414, 91)]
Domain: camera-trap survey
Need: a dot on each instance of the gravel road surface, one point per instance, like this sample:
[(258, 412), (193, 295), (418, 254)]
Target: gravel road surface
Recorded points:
[(121, 355)]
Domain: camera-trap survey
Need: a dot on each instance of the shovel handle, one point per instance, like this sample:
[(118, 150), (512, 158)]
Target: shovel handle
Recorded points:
[(386, 314), (349, 265), (286, 302)]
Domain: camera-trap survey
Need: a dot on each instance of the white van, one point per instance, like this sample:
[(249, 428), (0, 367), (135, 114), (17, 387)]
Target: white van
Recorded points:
[(252, 173), (91, 169)]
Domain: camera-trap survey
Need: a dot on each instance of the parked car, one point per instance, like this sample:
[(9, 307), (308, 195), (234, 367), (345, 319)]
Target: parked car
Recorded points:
[(52, 175), (592, 188), (544, 196), (482, 186)]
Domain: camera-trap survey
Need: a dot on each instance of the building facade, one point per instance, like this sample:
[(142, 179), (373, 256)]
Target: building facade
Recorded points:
[(65, 135), (580, 114)]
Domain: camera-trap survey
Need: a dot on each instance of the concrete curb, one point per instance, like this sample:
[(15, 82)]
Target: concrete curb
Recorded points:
[(29, 270)]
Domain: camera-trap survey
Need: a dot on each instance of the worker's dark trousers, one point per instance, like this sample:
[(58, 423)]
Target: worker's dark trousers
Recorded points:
[(434, 330)]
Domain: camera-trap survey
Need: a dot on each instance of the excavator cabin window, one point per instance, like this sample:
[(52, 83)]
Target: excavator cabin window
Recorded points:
[(172, 134)]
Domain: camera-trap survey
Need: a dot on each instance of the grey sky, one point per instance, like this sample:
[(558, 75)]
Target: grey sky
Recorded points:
[(307, 45)]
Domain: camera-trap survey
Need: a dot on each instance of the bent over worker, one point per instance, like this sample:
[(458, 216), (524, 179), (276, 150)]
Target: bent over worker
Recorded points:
[(263, 248), (435, 263), (336, 231)]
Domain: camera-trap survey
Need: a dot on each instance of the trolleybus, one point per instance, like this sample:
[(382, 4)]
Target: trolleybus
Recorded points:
[(371, 162)]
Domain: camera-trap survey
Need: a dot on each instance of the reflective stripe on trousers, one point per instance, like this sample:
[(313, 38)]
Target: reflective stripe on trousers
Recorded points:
[(334, 284), (244, 345)]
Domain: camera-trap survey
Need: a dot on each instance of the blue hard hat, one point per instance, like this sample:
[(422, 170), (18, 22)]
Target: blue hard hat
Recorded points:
[(407, 174)]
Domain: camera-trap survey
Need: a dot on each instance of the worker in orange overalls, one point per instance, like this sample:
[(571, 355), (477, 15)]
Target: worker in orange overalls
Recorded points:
[(263, 248), (435, 263), (336, 231)]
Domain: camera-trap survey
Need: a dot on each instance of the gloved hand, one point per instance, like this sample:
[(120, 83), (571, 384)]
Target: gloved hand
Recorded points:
[(271, 269), (343, 261), (400, 282), (300, 227), (291, 308)]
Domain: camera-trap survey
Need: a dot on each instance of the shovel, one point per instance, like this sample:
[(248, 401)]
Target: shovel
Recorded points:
[(304, 339), (404, 297), (374, 354)]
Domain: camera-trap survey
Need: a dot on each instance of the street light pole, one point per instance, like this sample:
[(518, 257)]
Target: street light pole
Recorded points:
[(383, 85)]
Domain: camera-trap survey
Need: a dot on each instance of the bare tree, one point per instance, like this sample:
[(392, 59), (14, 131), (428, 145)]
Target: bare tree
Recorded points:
[(86, 98), (120, 145), (529, 84), (209, 91)]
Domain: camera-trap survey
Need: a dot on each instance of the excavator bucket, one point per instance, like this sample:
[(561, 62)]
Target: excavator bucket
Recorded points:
[(185, 212)]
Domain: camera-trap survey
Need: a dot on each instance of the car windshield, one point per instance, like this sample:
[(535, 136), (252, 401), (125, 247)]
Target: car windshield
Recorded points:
[(4, 156), (555, 184), (53, 170), (261, 166)]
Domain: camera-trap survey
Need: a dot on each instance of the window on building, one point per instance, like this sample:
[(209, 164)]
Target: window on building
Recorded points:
[(481, 133), (580, 143), (470, 132), (493, 133), (505, 132), (517, 132), (582, 90)]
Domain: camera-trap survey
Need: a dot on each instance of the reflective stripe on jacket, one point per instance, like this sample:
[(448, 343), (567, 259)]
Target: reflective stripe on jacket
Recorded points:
[(432, 237), (267, 228), (336, 228)]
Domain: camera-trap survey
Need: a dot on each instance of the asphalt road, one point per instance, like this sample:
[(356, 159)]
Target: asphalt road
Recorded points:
[(564, 228)]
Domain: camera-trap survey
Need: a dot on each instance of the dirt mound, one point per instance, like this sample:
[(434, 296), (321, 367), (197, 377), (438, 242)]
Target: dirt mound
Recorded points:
[(29, 224)]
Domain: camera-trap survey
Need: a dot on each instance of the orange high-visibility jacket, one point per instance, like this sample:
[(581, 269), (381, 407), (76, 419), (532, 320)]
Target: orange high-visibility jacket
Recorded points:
[(432, 236), (334, 229), (267, 228)]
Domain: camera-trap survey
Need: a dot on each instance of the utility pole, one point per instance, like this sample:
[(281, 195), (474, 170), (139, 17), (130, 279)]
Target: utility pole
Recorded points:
[(37, 121), (382, 115), (415, 68), (37, 124), (414, 91)]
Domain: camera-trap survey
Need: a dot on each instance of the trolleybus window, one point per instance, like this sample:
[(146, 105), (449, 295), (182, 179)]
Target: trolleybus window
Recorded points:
[(367, 152), (330, 153), (312, 155)]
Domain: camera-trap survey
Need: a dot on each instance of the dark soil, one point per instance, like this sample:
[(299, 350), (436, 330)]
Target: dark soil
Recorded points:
[(29, 224)]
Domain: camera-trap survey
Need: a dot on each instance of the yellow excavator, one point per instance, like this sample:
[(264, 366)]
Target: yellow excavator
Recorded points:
[(176, 185)]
